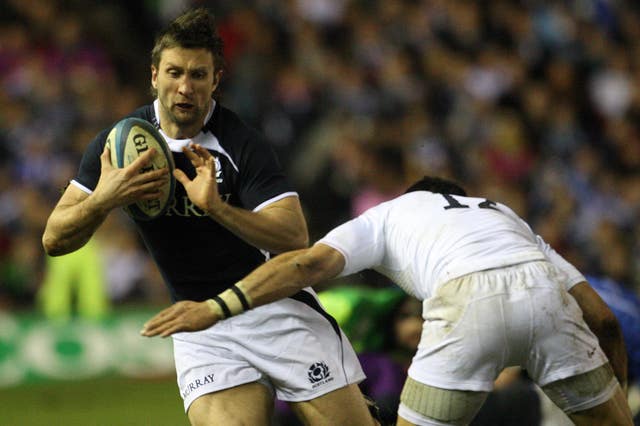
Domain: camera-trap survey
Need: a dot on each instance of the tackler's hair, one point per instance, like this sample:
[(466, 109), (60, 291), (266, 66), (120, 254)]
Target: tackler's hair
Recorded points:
[(437, 185)]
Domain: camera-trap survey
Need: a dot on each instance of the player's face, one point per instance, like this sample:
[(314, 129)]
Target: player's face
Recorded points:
[(408, 324), (185, 80)]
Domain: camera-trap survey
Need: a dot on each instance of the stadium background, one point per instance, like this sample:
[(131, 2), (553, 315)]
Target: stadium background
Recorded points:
[(535, 104)]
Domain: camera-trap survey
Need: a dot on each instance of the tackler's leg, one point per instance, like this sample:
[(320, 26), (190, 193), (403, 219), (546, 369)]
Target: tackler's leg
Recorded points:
[(421, 404), (592, 398)]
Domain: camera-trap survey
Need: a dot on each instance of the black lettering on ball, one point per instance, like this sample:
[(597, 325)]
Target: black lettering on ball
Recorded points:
[(140, 141)]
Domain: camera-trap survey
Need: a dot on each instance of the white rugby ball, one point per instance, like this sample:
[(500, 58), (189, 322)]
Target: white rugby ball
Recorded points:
[(128, 140)]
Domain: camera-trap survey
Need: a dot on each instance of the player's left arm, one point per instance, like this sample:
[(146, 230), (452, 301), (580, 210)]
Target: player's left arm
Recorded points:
[(277, 228), (596, 313), (276, 279), (604, 324)]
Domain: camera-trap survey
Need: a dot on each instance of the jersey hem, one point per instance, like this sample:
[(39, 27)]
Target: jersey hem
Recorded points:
[(81, 186), (345, 271), (191, 399), (306, 397), (274, 199), (574, 281)]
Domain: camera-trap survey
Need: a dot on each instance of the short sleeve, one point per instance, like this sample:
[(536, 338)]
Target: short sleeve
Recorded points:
[(89, 170), (573, 275), (361, 241), (261, 176)]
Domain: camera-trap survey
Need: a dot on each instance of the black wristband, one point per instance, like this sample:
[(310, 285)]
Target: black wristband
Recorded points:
[(223, 306), (241, 297)]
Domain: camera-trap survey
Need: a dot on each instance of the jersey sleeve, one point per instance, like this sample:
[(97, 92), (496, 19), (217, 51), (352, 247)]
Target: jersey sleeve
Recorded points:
[(89, 170), (262, 177), (360, 241), (573, 275)]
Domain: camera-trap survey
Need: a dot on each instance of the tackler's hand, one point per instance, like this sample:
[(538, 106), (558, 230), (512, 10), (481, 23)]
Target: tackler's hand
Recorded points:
[(181, 316)]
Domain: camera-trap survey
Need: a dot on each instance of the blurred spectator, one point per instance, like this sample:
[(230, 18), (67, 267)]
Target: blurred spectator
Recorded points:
[(127, 276), (74, 285), (381, 176), (386, 367), (385, 326)]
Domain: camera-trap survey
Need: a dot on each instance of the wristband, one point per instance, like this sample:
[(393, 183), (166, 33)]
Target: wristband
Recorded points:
[(230, 302)]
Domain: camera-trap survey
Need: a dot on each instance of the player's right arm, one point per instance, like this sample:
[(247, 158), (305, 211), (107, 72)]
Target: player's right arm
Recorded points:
[(72, 222), (78, 214)]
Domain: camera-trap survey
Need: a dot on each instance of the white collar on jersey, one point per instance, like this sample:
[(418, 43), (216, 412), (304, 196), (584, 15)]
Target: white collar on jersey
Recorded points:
[(207, 140)]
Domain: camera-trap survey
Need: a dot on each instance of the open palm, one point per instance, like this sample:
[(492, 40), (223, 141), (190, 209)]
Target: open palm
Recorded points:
[(202, 190)]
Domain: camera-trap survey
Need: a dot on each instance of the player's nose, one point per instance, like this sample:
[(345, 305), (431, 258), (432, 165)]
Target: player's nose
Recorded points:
[(186, 86)]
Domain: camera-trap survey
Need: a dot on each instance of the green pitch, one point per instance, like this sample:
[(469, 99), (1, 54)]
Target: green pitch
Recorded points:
[(101, 402)]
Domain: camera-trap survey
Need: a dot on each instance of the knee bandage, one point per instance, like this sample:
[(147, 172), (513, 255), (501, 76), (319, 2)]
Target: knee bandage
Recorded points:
[(455, 407), (583, 391)]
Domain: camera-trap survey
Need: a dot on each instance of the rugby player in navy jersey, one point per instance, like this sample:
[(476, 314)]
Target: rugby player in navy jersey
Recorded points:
[(494, 295), (232, 208)]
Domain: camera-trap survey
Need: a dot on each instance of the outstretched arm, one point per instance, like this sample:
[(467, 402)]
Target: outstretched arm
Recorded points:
[(280, 277), (604, 324), (290, 272)]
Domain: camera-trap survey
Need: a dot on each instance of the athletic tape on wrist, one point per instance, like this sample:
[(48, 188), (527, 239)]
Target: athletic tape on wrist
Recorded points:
[(241, 297), (232, 301), (223, 306), (215, 307)]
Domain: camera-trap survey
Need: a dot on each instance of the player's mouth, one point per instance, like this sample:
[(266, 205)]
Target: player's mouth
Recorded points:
[(183, 106)]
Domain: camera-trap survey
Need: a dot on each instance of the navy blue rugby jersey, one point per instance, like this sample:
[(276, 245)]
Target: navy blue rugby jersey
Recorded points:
[(197, 257)]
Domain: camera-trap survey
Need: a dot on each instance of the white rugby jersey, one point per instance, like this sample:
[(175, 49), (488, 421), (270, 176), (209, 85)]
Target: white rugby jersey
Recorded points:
[(421, 240)]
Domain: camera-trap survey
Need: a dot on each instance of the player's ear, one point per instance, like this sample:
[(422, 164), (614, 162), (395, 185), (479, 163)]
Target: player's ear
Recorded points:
[(154, 77), (217, 76)]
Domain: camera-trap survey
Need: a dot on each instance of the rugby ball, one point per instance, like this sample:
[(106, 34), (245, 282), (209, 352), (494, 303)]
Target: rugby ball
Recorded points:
[(129, 139)]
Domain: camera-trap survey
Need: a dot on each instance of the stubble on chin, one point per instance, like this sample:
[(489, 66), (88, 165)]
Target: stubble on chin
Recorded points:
[(186, 118)]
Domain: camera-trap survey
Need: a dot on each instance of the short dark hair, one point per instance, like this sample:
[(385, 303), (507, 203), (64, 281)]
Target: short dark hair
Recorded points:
[(437, 185), (194, 29)]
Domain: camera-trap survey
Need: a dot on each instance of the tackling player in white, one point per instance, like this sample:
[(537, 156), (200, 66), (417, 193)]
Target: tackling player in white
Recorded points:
[(494, 295)]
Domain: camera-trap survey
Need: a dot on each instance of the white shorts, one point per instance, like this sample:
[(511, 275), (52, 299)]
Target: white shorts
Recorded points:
[(478, 324), (291, 345)]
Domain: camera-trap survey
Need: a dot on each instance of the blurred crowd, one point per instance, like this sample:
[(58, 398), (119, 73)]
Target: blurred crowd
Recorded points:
[(532, 103)]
